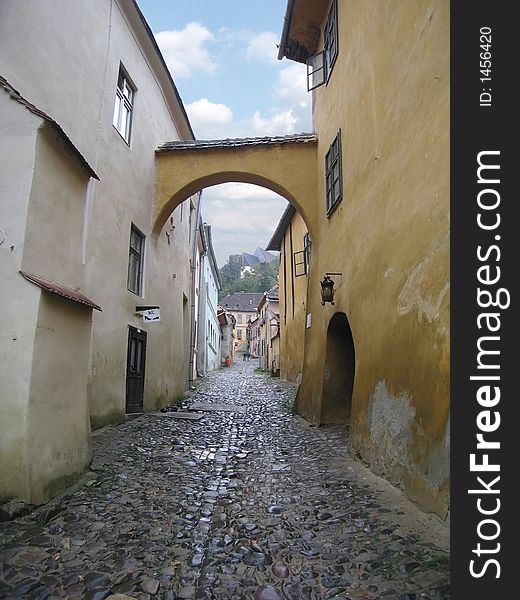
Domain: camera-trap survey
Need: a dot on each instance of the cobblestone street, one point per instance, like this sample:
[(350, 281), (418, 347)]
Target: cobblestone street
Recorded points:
[(234, 499)]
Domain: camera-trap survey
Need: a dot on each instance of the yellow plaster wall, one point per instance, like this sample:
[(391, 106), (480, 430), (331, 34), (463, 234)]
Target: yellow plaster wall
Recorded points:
[(389, 95), (287, 169), (292, 314)]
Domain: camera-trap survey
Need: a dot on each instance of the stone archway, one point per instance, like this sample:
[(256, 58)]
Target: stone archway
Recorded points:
[(338, 375), (286, 165)]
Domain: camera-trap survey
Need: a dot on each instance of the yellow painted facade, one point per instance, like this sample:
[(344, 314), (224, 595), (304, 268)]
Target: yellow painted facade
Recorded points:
[(378, 357), (388, 94), (293, 296)]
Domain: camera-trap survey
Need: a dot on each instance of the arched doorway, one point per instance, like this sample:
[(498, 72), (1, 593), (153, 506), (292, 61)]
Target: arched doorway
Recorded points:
[(338, 375)]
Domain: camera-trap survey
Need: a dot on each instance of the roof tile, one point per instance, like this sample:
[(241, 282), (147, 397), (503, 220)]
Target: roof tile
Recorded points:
[(237, 142)]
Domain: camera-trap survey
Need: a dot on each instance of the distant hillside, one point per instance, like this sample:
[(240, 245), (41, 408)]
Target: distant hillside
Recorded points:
[(255, 273)]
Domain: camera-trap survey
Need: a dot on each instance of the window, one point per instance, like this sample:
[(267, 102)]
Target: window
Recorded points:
[(319, 66), (302, 259), (330, 35), (239, 318), (334, 188), (124, 105), (307, 245), (300, 264), (135, 261), (316, 72), (239, 334)]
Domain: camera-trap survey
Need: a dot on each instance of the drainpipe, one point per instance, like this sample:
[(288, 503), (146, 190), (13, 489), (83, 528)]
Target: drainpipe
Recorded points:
[(193, 269)]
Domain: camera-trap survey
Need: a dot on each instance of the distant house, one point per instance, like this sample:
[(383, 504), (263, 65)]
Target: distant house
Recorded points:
[(208, 333), (253, 327), (269, 347), (227, 326), (243, 306)]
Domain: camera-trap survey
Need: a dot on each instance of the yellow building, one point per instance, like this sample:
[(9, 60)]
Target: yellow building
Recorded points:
[(371, 186), (293, 241), (269, 329), (380, 354)]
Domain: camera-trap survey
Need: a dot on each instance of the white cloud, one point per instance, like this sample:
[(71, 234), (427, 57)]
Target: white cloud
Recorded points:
[(240, 191), (242, 217), (279, 123), (292, 85), (184, 51), (209, 119), (263, 47)]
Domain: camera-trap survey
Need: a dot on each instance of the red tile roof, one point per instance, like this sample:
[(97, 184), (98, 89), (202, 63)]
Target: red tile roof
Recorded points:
[(60, 290)]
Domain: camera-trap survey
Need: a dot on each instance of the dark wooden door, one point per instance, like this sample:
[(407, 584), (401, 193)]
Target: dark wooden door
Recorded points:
[(135, 364)]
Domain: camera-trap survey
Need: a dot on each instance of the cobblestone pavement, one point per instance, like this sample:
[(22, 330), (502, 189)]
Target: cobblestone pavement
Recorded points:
[(241, 501)]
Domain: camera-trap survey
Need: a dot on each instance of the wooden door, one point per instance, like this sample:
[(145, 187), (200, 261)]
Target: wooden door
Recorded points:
[(135, 365)]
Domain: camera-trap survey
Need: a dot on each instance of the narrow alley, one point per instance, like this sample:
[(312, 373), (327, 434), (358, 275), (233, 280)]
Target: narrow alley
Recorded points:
[(230, 496)]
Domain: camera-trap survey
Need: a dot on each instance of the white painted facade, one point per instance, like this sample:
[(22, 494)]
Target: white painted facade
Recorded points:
[(64, 57), (209, 340)]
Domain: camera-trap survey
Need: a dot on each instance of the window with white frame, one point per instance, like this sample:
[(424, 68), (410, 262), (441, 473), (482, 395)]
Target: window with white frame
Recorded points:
[(333, 177), (124, 105), (136, 261)]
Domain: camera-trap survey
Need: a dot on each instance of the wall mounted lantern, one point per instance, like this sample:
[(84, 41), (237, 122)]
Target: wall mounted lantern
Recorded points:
[(327, 289)]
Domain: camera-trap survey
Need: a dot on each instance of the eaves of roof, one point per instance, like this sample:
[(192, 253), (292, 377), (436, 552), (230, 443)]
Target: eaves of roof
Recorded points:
[(179, 145), (167, 71), (60, 290), (15, 95), (276, 241)]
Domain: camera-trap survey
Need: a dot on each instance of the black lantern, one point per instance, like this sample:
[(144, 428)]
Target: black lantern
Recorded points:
[(327, 290)]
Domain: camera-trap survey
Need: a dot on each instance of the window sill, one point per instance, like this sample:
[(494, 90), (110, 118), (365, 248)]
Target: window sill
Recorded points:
[(120, 136), (333, 208)]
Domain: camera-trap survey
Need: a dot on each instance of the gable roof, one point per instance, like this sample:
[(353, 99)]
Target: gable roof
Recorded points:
[(242, 301)]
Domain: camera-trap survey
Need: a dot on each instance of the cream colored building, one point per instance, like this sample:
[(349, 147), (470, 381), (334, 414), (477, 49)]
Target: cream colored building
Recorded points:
[(85, 100)]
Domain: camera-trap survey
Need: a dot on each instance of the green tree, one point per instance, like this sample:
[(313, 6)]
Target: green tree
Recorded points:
[(230, 272), (260, 279)]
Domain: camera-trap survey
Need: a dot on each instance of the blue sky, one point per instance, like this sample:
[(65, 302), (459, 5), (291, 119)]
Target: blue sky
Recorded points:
[(223, 59)]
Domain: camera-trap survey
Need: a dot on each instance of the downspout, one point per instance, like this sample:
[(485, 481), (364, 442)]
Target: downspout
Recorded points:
[(193, 269)]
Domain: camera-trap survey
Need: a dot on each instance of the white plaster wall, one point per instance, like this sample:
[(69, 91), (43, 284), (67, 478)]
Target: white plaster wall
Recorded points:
[(74, 80), (58, 428), (19, 298), (42, 192), (54, 53), (213, 349)]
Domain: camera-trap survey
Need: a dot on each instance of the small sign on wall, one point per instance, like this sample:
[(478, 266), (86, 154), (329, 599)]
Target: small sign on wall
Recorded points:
[(309, 320), (152, 315)]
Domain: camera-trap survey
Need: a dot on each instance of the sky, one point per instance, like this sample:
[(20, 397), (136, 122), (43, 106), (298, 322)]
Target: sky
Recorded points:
[(223, 60)]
